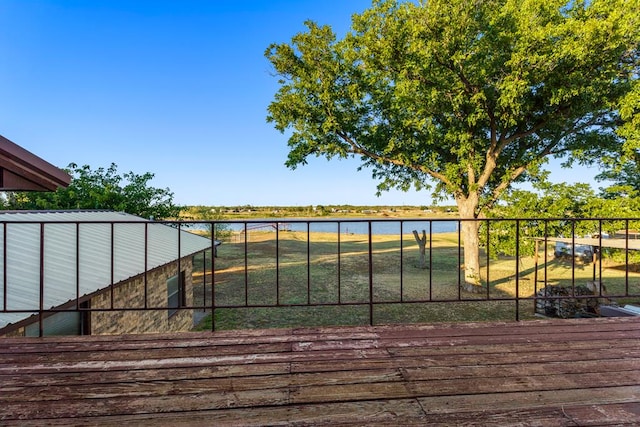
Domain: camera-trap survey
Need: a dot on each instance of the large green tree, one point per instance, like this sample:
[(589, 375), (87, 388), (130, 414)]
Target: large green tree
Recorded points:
[(461, 97), (102, 189)]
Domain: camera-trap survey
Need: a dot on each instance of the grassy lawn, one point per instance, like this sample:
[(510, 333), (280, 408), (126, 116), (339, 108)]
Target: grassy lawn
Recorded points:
[(277, 272)]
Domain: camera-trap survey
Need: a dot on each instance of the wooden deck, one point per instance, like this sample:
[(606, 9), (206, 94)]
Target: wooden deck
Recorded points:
[(548, 373)]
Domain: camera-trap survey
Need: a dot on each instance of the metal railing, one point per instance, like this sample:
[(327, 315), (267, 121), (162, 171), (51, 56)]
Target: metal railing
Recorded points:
[(332, 271)]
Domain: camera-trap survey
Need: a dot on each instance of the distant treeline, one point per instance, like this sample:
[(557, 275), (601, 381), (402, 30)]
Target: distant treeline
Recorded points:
[(223, 212)]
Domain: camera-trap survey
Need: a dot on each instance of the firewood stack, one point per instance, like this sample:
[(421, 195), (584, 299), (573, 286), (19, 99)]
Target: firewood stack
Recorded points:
[(569, 302)]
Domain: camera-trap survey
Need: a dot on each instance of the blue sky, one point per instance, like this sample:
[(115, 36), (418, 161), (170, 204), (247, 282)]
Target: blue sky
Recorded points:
[(178, 88)]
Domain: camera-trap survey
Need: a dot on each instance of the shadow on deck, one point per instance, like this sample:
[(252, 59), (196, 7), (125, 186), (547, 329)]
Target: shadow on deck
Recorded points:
[(544, 372)]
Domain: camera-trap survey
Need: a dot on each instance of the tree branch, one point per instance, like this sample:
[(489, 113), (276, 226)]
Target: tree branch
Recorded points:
[(499, 146), (504, 184), (358, 149)]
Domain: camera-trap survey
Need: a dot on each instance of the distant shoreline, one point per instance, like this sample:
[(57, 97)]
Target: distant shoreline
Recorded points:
[(364, 226), (328, 213)]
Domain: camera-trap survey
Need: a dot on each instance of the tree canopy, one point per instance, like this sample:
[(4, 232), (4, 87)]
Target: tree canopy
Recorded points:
[(463, 98), (102, 189)]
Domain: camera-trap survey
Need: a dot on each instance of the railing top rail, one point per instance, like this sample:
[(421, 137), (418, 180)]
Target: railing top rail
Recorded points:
[(417, 219), (306, 220)]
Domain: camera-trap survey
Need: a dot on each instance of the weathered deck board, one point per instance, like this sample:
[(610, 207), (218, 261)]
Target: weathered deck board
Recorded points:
[(564, 372)]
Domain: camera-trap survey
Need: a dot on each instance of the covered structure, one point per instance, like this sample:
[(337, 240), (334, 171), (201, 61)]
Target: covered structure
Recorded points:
[(616, 243), (91, 272), (21, 170), (627, 242)]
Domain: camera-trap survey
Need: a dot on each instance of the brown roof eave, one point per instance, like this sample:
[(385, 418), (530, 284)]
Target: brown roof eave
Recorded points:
[(21, 170)]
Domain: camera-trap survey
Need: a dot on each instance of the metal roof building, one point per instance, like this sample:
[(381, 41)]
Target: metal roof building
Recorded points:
[(69, 254)]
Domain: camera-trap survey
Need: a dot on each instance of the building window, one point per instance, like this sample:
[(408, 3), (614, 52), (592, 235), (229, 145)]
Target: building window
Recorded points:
[(176, 295), (63, 323)]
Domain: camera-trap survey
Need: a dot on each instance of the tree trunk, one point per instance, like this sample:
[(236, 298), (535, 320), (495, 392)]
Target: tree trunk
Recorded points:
[(422, 244), (470, 243), (471, 246)]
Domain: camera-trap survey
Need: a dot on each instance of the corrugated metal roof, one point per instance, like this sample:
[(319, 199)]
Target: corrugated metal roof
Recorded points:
[(77, 252)]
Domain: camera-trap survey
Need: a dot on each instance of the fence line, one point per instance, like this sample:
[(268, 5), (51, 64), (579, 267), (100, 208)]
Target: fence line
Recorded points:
[(329, 263)]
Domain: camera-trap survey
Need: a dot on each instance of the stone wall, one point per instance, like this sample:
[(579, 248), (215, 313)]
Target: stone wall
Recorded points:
[(131, 294)]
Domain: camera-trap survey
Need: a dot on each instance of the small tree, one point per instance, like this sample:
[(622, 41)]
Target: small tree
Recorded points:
[(102, 189), (207, 213), (463, 97)]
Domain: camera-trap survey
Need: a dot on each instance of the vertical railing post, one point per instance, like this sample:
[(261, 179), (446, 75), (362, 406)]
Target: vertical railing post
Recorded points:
[(401, 261), (204, 273), (573, 257), (41, 308), (370, 275), (487, 250), (246, 265), (213, 276), (308, 262), (597, 256), (339, 268), (460, 263), (78, 266), (181, 285), (626, 257), (517, 270), (277, 263), (430, 260), (146, 264), (4, 266), (112, 260), (546, 250)]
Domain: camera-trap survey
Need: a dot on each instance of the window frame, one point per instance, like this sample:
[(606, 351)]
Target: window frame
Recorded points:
[(176, 294)]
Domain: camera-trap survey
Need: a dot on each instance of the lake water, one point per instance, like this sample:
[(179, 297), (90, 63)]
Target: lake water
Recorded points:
[(350, 227)]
